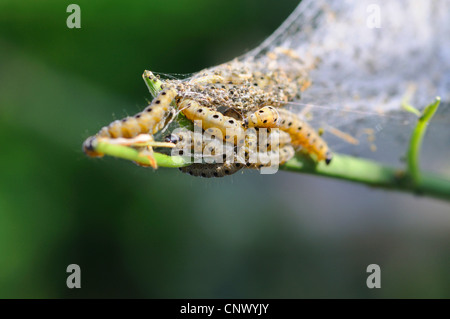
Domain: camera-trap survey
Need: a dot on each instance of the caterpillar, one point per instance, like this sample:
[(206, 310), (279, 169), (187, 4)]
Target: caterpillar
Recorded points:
[(150, 120), (302, 134), (185, 142), (272, 138), (211, 170), (272, 157), (223, 169), (214, 122), (249, 156)]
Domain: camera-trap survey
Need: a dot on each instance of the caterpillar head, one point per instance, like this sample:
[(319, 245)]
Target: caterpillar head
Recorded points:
[(328, 158), (89, 147), (172, 138), (264, 117)]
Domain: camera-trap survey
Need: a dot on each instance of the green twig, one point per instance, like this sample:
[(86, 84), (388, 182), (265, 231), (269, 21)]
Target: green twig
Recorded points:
[(408, 107), (416, 140), (132, 154), (373, 174), (342, 167)]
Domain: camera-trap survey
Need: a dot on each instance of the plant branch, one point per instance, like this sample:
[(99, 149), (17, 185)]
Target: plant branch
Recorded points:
[(342, 167), (373, 174), (416, 139)]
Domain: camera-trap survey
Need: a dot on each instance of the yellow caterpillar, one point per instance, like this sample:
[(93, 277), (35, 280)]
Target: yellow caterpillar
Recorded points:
[(250, 155), (255, 140), (258, 140), (272, 157), (302, 134), (223, 169), (147, 121), (214, 122), (185, 142)]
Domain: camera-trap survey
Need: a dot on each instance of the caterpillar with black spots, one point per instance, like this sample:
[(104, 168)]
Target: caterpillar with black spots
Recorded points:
[(301, 133), (224, 169), (150, 120), (211, 170), (187, 143), (215, 123), (251, 156)]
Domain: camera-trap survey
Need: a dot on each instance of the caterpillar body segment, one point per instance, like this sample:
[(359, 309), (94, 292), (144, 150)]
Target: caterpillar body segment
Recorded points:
[(277, 135), (266, 117), (248, 151), (210, 148), (286, 153), (302, 134), (273, 157), (224, 169), (208, 79), (231, 129), (260, 141)]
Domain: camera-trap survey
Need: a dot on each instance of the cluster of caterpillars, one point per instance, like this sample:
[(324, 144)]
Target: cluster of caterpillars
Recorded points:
[(258, 150), (231, 104)]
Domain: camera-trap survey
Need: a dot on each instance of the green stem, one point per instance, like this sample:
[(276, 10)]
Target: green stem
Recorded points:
[(342, 167), (376, 175), (132, 154), (373, 174), (417, 138)]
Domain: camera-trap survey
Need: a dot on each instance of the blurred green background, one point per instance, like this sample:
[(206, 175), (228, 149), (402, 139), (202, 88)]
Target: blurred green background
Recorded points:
[(139, 233)]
